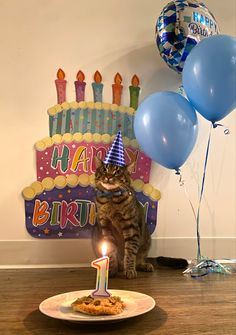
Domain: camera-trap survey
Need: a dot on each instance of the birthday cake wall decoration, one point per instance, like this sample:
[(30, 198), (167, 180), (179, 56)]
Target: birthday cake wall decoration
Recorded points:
[(60, 203)]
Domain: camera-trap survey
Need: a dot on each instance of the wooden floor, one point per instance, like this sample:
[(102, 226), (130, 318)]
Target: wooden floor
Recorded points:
[(183, 305)]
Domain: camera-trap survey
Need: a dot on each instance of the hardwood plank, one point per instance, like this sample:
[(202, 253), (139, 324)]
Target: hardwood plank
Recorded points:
[(184, 305)]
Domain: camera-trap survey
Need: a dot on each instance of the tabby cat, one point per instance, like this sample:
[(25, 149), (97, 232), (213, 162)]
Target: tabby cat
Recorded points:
[(120, 220)]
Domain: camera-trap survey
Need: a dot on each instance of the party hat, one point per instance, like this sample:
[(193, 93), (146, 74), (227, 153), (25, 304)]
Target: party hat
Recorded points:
[(115, 154)]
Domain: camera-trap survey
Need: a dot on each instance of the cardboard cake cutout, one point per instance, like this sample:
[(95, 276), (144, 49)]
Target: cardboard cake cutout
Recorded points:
[(60, 204)]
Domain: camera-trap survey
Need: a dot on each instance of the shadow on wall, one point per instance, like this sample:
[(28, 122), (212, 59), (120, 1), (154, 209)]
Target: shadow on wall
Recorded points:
[(146, 62)]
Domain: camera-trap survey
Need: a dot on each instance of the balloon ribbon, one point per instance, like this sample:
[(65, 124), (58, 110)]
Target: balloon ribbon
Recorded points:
[(204, 265)]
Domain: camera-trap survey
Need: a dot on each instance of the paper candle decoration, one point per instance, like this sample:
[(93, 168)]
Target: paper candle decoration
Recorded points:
[(97, 87), (80, 86), (61, 86), (134, 92), (102, 266), (117, 89)]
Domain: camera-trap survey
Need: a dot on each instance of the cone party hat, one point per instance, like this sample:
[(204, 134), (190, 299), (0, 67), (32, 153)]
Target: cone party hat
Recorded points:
[(115, 154)]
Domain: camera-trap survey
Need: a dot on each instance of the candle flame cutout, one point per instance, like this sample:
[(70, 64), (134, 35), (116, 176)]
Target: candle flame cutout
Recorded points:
[(97, 77), (118, 78), (104, 249), (135, 81), (80, 76), (60, 74)]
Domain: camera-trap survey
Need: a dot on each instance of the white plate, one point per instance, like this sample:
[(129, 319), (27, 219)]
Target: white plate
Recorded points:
[(59, 306)]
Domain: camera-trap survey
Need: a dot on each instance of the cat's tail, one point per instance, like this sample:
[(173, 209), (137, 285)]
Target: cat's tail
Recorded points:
[(174, 263)]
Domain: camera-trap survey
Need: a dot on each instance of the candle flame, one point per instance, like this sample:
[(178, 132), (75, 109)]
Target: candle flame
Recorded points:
[(97, 77), (118, 78), (80, 76), (104, 249), (135, 81), (60, 74)]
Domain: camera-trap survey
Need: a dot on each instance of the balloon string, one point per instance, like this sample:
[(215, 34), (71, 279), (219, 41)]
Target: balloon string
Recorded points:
[(201, 195), (182, 183), (226, 129)]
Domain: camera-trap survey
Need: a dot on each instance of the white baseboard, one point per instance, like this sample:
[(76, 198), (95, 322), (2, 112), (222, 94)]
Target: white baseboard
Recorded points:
[(78, 252), (212, 247)]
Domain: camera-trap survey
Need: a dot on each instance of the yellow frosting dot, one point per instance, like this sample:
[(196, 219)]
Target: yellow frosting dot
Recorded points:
[(37, 187), (88, 137), (82, 104), (126, 141), (52, 111), (106, 106), (48, 183), (114, 107), (60, 181), (58, 108), (147, 189), (134, 143), (40, 146), (28, 193), (48, 141), (84, 179), (130, 110), (57, 138), (92, 179), (90, 104), (97, 137), (122, 109), (72, 180), (155, 195), (138, 185), (78, 137), (106, 138), (65, 105), (98, 105), (67, 137), (74, 104)]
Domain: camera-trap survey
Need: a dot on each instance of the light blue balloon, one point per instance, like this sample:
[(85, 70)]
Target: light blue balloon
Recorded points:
[(166, 128), (209, 77)]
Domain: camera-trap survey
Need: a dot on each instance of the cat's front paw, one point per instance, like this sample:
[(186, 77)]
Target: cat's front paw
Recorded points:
[(131, 274), (146, 267)]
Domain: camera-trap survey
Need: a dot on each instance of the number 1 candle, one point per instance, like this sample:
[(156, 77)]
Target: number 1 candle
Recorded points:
[(102, 266)]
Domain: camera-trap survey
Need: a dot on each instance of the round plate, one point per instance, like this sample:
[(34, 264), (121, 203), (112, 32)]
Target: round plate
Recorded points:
[(59, 306)]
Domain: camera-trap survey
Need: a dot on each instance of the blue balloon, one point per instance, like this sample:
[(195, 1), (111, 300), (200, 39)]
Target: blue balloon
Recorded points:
[(209, 77), (166, 128)]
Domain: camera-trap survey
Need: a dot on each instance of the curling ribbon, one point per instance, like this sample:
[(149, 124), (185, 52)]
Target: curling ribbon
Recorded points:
[(205, 265), (182, 183), (201, 194)]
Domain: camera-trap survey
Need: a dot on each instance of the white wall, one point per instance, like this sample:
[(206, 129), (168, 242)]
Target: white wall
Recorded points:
[(39, 36)]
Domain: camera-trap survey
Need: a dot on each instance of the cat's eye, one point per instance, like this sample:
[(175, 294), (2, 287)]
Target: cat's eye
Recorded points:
[(117, 173)]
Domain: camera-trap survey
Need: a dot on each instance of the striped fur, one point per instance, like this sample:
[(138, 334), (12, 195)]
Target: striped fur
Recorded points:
[(120, 221)]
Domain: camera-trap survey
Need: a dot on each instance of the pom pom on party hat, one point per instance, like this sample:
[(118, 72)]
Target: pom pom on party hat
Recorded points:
[(115, 154)]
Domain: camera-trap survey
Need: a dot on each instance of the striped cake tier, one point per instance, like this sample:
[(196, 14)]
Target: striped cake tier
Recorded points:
[(91, 117)]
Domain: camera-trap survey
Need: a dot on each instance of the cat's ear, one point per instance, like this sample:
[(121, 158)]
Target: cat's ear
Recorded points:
[(130, 167), (98, 162)]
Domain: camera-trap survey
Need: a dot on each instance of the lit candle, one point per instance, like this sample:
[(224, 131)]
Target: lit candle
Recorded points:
[(80, 86), (134, 92), (97, 87), (102, 266), (117, 89), (61, 86)]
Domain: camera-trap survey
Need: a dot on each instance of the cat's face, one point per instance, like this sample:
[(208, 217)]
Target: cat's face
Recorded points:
[(111, 177)]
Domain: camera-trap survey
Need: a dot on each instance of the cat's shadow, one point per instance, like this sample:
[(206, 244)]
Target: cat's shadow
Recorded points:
[(143, 324)]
